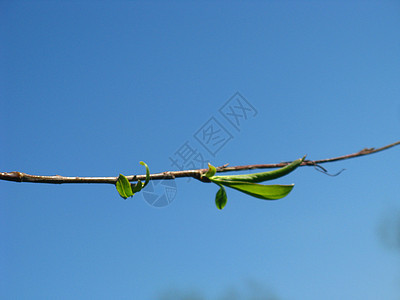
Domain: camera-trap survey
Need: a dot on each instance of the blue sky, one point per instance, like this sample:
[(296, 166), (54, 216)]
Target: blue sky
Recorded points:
[(91, 89)]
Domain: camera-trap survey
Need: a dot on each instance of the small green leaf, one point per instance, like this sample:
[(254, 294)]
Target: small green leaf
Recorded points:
[(211, 171), (147, 173), (124, 187), (137, 187), (220, 198), (267, 192)]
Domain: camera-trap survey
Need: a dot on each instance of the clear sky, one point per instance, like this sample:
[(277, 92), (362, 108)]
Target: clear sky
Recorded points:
[(92, 88)]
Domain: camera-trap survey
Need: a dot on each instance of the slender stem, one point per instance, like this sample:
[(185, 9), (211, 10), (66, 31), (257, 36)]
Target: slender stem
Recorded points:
[(57, 179)]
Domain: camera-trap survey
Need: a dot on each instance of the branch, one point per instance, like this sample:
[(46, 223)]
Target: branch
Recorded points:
[(57, 179)]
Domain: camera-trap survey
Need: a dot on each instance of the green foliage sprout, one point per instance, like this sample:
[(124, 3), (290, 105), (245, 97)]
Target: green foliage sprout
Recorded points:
[(246, 183), (126, 189), (249, 183)]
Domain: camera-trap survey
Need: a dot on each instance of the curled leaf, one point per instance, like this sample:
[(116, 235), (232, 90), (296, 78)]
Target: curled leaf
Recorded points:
[(147, 173), (137, 187), (220, 198), (211, 171), (124, 187)]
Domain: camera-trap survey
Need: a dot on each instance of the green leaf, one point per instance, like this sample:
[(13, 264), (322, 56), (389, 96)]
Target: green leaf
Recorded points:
[(124, 187), (220, 198), (267, 192), (263, 176), (137, 187), (147, 173), (211, 171)]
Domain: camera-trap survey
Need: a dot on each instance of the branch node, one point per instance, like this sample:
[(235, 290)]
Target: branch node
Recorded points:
[(366, 151), (169, 175)]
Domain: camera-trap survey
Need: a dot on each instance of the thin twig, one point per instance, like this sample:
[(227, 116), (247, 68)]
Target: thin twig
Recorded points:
[(57, 179)]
